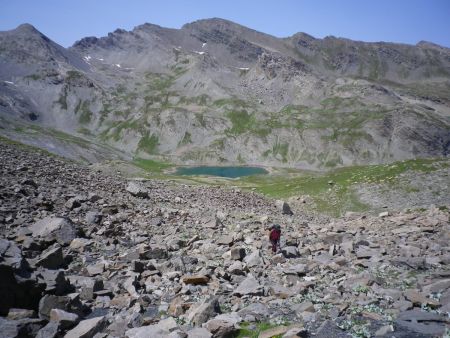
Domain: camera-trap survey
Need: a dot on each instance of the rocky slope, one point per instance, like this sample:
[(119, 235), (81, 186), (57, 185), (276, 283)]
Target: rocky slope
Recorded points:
[(216, 92), (85, 254)]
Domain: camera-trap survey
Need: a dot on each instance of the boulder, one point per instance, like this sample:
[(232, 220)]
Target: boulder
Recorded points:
[(254, 259), (17, 291), (55, 281), (93, 217), (59, 229), (51, 330), (419, 299), (290, 252), (284, 207), (236, 268), (87, 328), (27, 327), (50, 302), (11, 256), (95, 269), (137, 189), (201, 312), (52, 258), (421, 322), (257, 311), (220, 328), (249, 286), (225, 240), (75, 202)]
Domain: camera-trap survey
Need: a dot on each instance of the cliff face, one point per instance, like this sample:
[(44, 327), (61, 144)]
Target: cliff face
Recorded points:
[(216, 92)]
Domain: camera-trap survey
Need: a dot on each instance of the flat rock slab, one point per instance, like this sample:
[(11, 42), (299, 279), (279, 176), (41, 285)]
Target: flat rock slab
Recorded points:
[(55, 228), (276, 331), (195, 279), (87, 328)]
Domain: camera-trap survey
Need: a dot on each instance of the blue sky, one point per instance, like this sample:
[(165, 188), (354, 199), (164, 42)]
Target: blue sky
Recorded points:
[(407, 21)]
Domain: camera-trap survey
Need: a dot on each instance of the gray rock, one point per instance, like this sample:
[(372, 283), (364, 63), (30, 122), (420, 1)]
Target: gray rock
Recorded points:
[(93, 217), (422, 322), (95, 269), (49, 302), (16, 314), (284, 207), (237, 253), (146, 332), (52, 258), (27, 327), (51, 330), (256, 310), (225, 240), (155, 252), (57, 229), (199, 332), (290, 252), (304, 306), (328, 329), (136, 189), (220, 328), (366, 252), (202, 312), (384, 330), (254, 259), (11, 255), (236, 268), (87, 328), (168, 324), (55, 281), (66, 320), (298, 269), (249, 286), (75, 202), (161, 329)]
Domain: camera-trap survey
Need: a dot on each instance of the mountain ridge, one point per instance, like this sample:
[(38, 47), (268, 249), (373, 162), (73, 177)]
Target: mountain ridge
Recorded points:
[(218, 92)]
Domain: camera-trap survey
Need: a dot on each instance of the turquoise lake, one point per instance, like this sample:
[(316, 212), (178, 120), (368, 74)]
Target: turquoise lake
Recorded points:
[(230, 172)]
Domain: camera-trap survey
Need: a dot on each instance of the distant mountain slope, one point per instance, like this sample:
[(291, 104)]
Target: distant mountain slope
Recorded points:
[(218, 92)]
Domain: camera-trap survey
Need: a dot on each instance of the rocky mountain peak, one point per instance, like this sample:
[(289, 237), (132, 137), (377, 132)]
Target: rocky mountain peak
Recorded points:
[(27, 28)]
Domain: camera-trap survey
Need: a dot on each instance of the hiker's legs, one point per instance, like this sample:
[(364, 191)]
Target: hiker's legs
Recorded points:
[(274, 246)]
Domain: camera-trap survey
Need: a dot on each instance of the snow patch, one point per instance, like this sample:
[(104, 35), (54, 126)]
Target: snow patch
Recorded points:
[(204, 45), (87, 58), (199, 53), (117, 65), (100, 59), (9, 82), (243, 68)]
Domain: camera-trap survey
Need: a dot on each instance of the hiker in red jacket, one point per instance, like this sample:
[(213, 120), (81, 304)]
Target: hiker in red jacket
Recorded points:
[(275, 235)]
